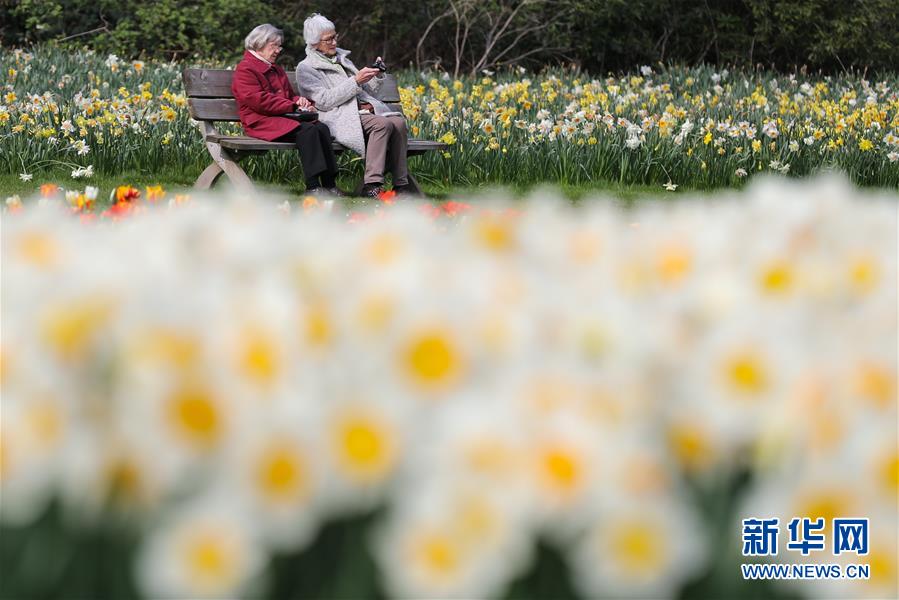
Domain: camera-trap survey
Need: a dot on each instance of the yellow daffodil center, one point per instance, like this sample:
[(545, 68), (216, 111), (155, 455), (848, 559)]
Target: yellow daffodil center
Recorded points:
[(375, 313), (691, 445), (69, 329), (826, 504), (876, 384), (495, 234), (125, 480), (363, 447), (673, 263), (477, 519), (438, 555), (864, 275), (260, 359), (561, 470), (39, 249), (747, 374), (488, 457), (384, 249), (432, 359), (638, 547), (883, 566), (211, 564), (319, 330), (168, 346), (777, 278), (281, 474), (889, 471), (45, 423), (195, 415)]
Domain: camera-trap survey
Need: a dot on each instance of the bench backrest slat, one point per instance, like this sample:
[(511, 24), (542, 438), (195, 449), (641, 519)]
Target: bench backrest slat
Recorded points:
[(207, 83), (204, 85), (213, 109)]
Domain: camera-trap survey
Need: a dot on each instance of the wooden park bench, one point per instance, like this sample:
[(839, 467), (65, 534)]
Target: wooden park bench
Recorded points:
[(210, 101)]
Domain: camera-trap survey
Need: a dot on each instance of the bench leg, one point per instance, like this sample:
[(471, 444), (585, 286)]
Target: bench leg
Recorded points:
[(208, 177), (224, 160), (237, 175), (239, 179), (413, 183)]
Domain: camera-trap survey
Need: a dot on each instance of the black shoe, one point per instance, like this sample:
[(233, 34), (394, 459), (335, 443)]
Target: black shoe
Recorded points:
[(406, 190), (372, 190), (323, 192), (337, 192)]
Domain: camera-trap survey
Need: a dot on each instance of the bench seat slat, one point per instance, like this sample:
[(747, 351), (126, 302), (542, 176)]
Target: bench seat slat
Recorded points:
[(248, 143), (243, 142), (425, 145)]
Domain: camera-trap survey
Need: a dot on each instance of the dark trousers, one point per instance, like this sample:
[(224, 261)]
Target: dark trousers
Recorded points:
[(313, 140)]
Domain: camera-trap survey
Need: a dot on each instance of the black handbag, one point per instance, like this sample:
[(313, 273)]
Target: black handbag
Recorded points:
[(303, 115)]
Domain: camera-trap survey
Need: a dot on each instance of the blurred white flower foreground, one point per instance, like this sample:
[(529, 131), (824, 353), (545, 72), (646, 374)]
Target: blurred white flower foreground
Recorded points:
[(234, 377)]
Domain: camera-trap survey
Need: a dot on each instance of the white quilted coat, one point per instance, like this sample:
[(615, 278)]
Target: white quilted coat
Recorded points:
[(334, 94)]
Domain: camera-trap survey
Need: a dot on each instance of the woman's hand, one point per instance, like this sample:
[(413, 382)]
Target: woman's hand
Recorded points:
[(366, 74), (304, 103)]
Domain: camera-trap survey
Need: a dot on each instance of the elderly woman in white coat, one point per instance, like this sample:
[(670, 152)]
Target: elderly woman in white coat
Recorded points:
[(345, 99)]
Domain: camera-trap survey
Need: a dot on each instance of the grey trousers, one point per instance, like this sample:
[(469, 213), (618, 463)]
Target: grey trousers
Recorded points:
[(385, 147)]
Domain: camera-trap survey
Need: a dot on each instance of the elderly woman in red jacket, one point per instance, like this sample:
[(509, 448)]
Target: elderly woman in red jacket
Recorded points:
[(264, 93)]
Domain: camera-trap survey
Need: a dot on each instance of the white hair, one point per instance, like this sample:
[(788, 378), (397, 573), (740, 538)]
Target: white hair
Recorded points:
[(262, 35), (314, 27)]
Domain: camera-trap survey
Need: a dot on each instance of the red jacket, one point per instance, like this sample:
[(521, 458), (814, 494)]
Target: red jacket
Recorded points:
[(262, 92)]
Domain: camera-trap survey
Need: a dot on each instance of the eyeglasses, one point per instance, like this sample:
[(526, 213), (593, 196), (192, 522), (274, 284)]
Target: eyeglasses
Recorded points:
[(330, 39)]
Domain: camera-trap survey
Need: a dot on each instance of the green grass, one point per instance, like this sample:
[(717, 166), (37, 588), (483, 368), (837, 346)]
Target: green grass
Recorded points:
[(11, 185)]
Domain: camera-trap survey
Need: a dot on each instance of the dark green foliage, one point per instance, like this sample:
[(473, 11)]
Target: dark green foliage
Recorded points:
[(547, 577), (161, 29), (56, 557), (786, 34), (598, 35)]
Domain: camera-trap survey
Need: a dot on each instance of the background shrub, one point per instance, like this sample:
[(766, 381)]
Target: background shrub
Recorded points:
[(597, 35)]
